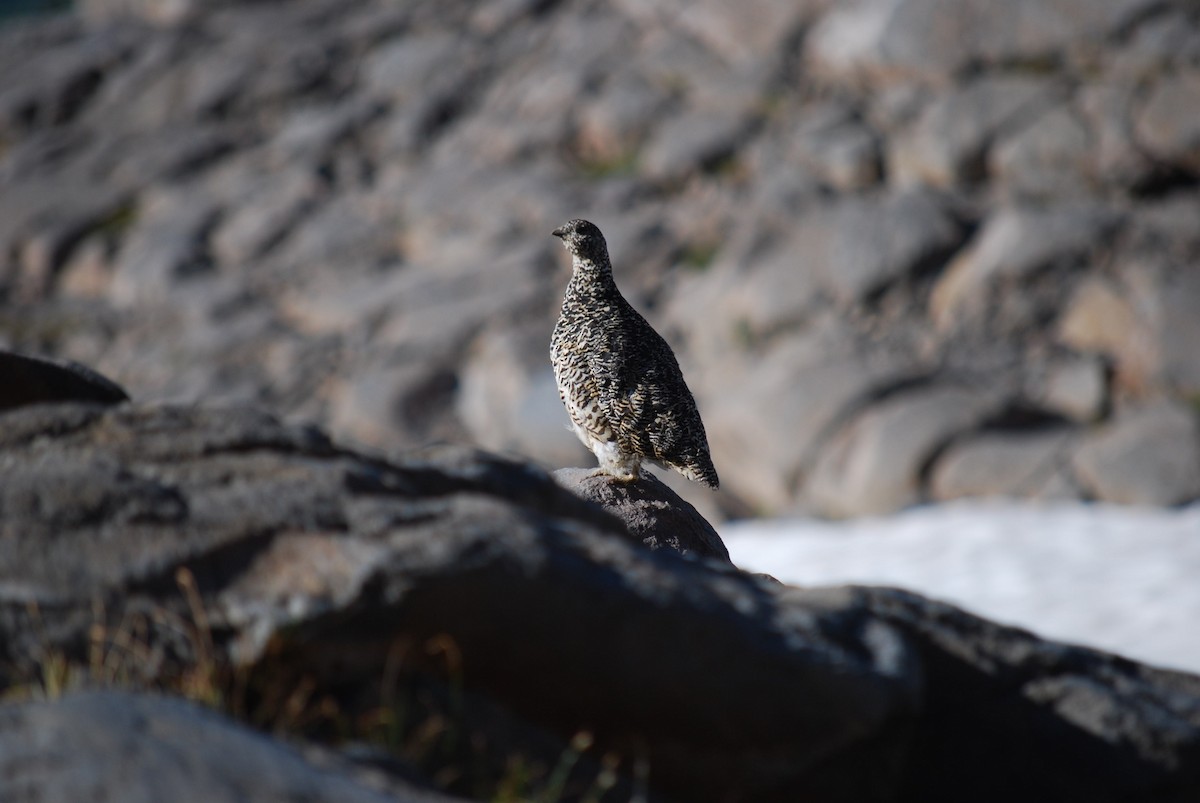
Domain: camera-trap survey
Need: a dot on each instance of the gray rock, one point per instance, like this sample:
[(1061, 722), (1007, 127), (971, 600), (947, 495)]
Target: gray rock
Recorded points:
[(845, 153), (649, 510), (745, 34), (1015, 243), (395, 403), (691, 142), (860, 247), (1165, 125), (408, 66), (1157, 45), (758, 285), (935, 38), (260, 215), (160, 12), (1075, 388), (314, 562), (1021, 465), (53, 85), (949, 143), (43, 221), (301, 530), (1178, 329), (847, 250), (143, 748), (1116, 159), (169, 241), (875, 463), (1147, 456), (802, 390), (1051, 156), (613, 124), (1085, 701)]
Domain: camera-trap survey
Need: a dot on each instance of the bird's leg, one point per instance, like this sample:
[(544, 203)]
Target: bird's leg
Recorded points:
[(618, 474)]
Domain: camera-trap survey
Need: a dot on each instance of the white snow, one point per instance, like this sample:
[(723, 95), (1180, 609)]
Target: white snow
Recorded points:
[(1126, 580)]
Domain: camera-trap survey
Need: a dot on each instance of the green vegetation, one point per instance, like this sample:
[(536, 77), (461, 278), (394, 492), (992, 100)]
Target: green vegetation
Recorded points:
[(597, 167), (699, 254), (117, 222)]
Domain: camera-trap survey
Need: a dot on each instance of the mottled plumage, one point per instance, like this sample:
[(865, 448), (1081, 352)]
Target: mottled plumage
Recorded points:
[(617, 377)]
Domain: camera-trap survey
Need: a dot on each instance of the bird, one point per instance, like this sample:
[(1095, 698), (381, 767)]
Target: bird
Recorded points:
[(617, 377)]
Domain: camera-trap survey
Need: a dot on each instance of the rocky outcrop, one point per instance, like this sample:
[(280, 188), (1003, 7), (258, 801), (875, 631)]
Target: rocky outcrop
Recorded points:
[(649, 510), (846, 218), (478, 624), (142, 748), (32, 380)]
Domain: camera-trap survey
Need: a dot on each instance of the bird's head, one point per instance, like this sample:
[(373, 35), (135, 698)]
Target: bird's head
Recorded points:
[(582, 239)]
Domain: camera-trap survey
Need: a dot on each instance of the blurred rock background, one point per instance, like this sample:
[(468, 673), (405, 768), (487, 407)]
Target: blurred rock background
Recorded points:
[(906, 250)]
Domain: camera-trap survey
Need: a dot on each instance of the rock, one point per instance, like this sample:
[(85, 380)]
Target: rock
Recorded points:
[(1148, 456), (88, 272), (802, 392), (690, 143), (107, 745), (934, 39), (1178, 329), (650, 511), (613, 124), (160, 12), (262, 215), (32, 380), (1091, 704), (875, 463), (1100, 319), (313, 563), (394, 403), (1051, 156), (44, 222), (1026, 464), (848, 250), (1166, 128), (53, 85), (1014, 244), (283, 530), (950, 141), (1116, 159), (1076, 388), (744, 35), (862, 247), (756, 286), (1146, 325), (832, 144), (169, 241)]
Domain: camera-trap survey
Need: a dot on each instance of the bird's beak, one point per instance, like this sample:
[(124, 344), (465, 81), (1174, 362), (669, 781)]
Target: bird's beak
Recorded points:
[(560, 232)]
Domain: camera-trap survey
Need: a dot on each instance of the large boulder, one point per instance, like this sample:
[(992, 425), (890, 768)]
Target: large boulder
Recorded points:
[(143, 748), (220, 554)]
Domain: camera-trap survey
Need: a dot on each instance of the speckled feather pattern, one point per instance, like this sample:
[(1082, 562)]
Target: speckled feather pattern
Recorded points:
[(617, 377)]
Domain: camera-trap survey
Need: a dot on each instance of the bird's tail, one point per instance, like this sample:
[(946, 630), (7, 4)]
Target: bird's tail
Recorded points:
[(701, 471)]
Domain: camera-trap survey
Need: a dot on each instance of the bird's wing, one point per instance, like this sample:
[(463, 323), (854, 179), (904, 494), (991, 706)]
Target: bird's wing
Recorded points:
[(644, 392)]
